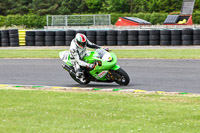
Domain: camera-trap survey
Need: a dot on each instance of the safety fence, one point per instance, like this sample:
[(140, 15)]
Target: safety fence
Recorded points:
[(78, 20), (162, 37)]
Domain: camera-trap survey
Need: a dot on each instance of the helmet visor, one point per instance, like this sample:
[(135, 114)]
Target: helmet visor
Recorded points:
[(81, 44)]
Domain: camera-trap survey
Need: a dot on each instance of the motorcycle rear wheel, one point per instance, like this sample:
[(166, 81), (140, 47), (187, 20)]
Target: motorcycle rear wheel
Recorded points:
[(122, 77)]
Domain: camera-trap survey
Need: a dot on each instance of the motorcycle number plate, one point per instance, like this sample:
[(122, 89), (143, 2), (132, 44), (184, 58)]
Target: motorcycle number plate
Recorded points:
[(100, 75), (64, 56)]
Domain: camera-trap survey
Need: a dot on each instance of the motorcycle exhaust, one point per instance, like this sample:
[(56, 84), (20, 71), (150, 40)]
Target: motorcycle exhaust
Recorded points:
[(67, 68)]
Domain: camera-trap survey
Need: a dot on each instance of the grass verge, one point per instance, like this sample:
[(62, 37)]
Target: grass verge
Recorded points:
[(48, 111), (131, 53)]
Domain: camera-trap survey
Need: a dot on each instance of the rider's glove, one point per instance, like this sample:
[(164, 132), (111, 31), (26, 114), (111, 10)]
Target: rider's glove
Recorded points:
[(107, 49), (91, 66)]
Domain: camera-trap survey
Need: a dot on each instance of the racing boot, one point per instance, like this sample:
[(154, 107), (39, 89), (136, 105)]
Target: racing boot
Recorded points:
[(79, 74)]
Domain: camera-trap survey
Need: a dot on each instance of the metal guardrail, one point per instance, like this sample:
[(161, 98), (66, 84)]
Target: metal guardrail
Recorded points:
[(78, 20)]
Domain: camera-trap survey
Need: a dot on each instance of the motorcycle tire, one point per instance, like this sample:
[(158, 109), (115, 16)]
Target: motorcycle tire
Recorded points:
[(79, 81), (122, 77)]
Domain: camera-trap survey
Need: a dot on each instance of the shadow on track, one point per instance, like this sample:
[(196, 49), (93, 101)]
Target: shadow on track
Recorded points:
[(99, 85)]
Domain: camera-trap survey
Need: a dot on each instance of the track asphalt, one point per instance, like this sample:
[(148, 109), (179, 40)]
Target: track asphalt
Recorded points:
[(145, 74)]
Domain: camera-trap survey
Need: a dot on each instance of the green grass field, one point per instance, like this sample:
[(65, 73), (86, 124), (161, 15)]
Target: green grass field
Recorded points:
[(33, 111), (131, 53)]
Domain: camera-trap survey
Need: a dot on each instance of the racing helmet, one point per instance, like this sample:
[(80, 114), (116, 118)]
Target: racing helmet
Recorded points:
[(81, 40)]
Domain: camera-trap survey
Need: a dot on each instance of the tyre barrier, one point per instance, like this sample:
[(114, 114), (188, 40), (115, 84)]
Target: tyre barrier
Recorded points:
[(5, 38), (39, 38), (91, 35), (111, 37), (122, 38), (9, 38), (152, 37), (196, 37), (187, 37), (132, 37), (165, 37), (30, 38), (13, 37), (101, 37), (59, 38), (176, 37), (143, 37), (69, 36), (49, 38)]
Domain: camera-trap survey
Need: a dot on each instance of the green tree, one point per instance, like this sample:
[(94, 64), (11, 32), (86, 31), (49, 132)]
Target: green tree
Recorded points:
[(154, 6), (94, 6), (119, 6), (5, 6), (62, 7), (44, 7), (72, 6)]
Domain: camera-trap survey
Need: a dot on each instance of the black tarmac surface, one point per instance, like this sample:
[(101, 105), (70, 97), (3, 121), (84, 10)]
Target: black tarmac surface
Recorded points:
[(145, 74)]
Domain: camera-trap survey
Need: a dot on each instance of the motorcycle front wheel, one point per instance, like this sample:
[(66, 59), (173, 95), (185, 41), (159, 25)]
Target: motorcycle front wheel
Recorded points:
[(122, 77)]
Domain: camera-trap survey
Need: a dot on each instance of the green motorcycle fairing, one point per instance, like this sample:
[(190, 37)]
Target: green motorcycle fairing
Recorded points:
[(101, 70)]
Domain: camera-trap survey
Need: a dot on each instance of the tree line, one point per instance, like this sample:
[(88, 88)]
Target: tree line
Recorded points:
[(67, 7)]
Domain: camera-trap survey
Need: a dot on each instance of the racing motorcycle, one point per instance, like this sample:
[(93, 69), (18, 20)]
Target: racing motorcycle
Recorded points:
[(106, 68)]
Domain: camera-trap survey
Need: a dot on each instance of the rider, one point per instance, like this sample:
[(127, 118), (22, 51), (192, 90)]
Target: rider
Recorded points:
[(78, 51)]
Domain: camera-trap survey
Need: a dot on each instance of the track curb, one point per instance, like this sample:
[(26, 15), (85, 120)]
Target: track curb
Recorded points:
[(90, 89)]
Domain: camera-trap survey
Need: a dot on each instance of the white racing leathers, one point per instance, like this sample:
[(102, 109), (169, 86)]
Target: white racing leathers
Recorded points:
[(77, 54)]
